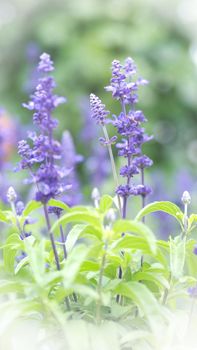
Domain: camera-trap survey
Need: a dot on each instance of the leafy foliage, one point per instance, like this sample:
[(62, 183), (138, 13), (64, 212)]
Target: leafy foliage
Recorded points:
[(154, 273)]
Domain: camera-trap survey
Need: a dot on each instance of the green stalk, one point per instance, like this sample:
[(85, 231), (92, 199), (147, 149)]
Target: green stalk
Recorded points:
[(99, 287), (113, 165), (54, 246), (16, 218)]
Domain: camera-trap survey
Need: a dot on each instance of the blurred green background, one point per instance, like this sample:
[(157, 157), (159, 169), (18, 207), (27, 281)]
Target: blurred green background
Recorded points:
[(83, 37)]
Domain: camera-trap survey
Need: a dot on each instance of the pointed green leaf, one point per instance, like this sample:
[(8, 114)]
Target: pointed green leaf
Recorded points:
[(166, 207), (13, 244), (177, 256), (22, 263), (123, 226), (59, 204), (74, 235), (31, 206), (70, 217), (142, 297), (105, 203), (3, 217)]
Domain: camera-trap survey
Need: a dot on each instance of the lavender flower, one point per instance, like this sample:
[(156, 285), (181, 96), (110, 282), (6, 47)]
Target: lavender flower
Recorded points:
[(97, 162), (98, 111), (128, 124), (39, 155)]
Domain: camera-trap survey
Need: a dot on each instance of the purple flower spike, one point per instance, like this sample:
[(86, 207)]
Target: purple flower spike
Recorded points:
[(143, 162), (40, 154), (98, 111), (45, 65), (124, 88)]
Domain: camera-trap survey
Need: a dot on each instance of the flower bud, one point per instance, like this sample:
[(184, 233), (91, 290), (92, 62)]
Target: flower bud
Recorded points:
[(111, 215), (186, 198), (96, 194), (11, 195)]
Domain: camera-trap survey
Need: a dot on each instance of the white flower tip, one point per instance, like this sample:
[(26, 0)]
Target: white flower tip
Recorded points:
[(186, 198), (11, 194), (95, 194)]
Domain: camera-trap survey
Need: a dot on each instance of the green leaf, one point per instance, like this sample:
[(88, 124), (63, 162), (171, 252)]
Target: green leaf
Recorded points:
[(166, 207), (31, 206), (59, 204), (177, 256), (105, 203), (191, 258), (72, 265), (22, 263), (192, 220), (142, 297), (11, 287), (89, 266), (74, 235), (36, 254), (158, 279), (138, 243), (138, 228), (3, 217), (86, 217), (13, 244)]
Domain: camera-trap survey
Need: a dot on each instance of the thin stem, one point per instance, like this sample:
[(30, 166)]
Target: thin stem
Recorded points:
[(63, 241), (113, 165), (124, 209), (185, 219), (65, 253), (99, 287), (51, 237), (143, 197), (54, 246), (166, 292), (17, 221)]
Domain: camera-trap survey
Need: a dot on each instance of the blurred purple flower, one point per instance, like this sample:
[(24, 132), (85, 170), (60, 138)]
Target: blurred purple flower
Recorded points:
[(195, 249), (192, 291), (70, 160)]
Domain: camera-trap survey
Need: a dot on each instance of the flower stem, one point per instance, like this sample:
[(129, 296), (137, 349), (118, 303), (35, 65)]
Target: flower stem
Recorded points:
[(51, 237), (63, 241), (99, 288), (113, 165), (143, 197), (54, 246), (17, 221)]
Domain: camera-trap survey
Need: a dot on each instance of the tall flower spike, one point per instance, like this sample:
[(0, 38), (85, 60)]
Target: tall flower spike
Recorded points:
[(99, 113), (41, 152), (124, 88)]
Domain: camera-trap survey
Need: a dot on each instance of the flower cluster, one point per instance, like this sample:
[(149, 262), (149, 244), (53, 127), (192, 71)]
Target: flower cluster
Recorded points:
[(39, 155), (129, 126), (98, 111)]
